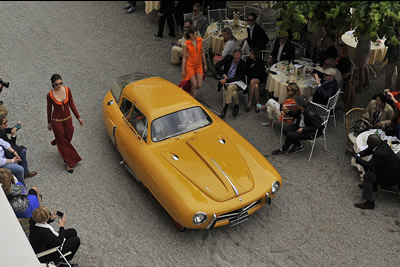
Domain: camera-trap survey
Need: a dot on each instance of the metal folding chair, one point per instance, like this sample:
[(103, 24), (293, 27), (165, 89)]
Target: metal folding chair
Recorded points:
[(324, 114), (215, 15), (285, 118)]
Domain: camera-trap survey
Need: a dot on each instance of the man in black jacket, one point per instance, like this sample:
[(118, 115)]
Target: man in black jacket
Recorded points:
[(166, 12), (283, 50), (257, 37), (383, 169), (231, 69), (307, 123), (21, 150)]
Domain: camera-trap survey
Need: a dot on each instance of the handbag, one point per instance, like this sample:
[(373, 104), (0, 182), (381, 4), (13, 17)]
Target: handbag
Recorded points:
[(360, 126)]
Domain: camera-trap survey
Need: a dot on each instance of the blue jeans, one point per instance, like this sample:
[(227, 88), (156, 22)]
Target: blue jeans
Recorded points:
[(17, 170), (24, 162)]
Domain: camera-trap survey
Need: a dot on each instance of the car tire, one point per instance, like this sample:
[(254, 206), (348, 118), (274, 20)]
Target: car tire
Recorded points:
[(178, 225)]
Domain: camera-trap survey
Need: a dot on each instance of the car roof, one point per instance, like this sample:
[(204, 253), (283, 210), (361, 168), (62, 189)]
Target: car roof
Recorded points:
[(156, 97)]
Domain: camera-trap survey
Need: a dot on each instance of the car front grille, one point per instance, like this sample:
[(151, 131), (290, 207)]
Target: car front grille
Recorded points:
[(239, 213)]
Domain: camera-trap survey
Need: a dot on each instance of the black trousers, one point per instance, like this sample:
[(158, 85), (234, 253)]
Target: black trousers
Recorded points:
[(71, 243), (293, 137), (171, 24), (369, 180)]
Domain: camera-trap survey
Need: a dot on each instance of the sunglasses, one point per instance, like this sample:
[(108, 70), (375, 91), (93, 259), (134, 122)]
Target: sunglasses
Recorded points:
[(195, 10), (58, 84), (251, 20)]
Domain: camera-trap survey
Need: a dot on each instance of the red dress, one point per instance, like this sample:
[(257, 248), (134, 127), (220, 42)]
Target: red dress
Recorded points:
[(59, 115)]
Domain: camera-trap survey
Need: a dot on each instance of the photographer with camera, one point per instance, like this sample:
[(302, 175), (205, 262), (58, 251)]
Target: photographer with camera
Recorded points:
[(378, 112), (21, 150), (3, 109), (43, 236)]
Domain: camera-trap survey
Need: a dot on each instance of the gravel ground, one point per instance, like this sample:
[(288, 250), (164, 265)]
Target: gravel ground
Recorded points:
[(312, 222)]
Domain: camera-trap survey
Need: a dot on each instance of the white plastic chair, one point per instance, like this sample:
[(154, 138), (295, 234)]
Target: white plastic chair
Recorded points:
[(324, 114), (215, 15)]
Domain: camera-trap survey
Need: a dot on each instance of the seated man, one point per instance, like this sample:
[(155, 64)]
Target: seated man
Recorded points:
[(257, 38), (283, 50), (327, 89), (21, 150), (231, 69), (307, 123), (383, 169), (177, 48), (325, 48)]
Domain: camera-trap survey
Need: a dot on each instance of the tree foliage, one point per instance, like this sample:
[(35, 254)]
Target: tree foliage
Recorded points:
[(370, 19)]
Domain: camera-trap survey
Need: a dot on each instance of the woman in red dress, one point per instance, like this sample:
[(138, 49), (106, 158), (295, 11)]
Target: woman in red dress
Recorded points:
[(59, 102)]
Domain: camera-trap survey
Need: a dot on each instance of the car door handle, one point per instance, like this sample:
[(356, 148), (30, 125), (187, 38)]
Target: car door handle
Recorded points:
[(113, 134), (109, 103)]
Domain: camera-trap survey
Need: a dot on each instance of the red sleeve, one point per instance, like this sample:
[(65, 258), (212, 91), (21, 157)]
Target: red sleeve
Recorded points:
[(72, 105), (49, 107), (398, 103)]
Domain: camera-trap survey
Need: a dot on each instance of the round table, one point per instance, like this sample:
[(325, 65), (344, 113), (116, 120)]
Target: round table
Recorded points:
[(277, 83), (216, 40), (377, 53), (151, 5), (361, 144)]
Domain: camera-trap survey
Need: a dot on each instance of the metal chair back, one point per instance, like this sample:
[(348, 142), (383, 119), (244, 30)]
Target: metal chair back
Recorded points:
[(215, 15), (255, 10), (324, 115)]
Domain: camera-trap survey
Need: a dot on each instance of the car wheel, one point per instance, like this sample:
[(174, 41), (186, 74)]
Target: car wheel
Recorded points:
[(177, 225)]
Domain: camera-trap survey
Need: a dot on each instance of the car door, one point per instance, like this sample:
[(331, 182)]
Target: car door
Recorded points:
[(131, 132)]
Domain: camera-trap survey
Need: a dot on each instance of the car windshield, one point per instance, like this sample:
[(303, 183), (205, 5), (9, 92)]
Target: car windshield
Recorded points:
[(179, 122)]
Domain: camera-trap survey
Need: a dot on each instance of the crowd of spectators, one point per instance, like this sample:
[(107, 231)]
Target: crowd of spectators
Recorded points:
[(27, 204), (332, 71)]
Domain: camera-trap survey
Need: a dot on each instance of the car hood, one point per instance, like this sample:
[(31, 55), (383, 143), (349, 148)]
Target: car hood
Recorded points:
[(213, 164)]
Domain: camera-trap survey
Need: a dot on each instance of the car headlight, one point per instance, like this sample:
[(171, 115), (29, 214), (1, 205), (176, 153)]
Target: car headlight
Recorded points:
[(275, 187), (199, 218)]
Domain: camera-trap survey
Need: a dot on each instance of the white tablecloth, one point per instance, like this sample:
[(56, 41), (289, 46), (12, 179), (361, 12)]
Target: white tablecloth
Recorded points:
[(377, 53), (361, 144), (277, 83), (216, 40), (151, 5)]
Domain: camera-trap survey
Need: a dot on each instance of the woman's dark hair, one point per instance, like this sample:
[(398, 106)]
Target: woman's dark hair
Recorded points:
[(256, 52), (55, 77), (189, 30), (383, 98)]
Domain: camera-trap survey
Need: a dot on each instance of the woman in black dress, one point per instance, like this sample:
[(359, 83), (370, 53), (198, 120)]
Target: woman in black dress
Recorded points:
[(256, 75)]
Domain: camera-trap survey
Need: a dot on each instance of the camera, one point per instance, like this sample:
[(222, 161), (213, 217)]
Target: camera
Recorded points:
[(5, 84), (59, 214)]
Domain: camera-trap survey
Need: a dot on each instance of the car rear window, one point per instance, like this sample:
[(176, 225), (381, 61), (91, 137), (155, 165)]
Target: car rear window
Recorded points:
[(178, 123)]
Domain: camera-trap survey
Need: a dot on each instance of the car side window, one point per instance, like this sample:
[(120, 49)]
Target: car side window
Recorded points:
[(139, 122), (125, 107)]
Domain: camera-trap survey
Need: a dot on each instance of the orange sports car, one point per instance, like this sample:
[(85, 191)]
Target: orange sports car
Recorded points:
[(200, 170)]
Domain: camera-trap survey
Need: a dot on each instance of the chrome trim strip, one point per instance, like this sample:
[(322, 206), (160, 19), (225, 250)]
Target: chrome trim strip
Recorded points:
[(212, 222), (234, 188)]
